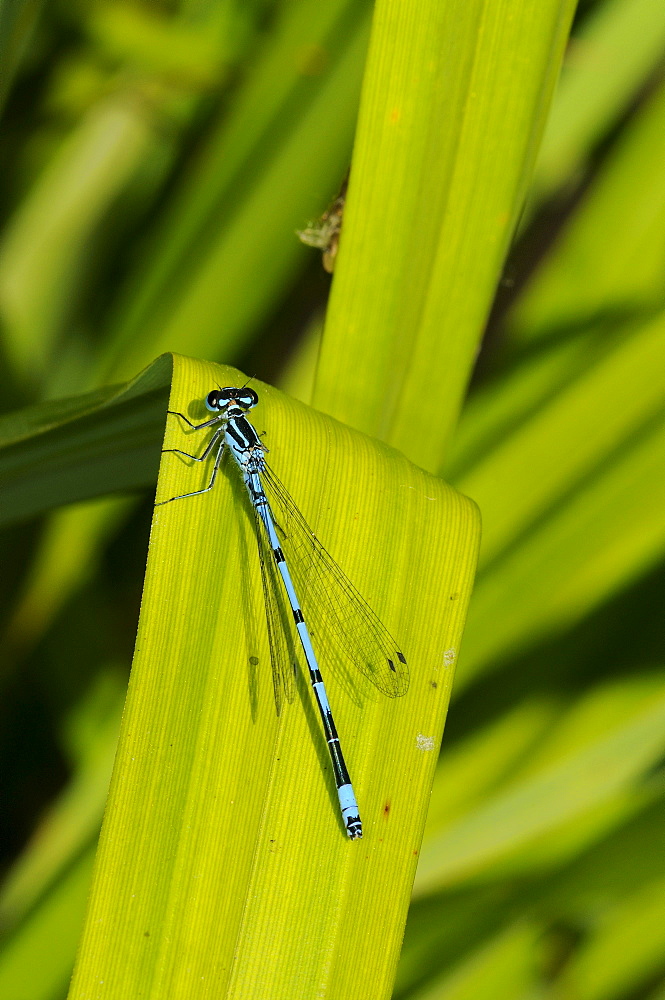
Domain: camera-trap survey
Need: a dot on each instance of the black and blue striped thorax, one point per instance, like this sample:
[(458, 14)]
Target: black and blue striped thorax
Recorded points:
[(245, 444)]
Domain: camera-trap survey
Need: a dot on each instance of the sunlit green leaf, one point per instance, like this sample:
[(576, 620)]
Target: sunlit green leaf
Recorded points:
[(80, 448), (454, 98), (222, 830)]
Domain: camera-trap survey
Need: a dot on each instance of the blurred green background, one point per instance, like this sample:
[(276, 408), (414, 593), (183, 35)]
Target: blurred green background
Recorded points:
[(157, 160)]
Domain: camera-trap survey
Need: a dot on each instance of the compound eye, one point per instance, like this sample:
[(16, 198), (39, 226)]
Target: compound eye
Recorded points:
[(214, 400), (248, 399)]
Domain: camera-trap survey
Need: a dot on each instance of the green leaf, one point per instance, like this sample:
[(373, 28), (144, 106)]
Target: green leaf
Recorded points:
[(618, 46), (454, 99), (49, 935), (626, 951), (596, 415), (500, 969), (74, 449), (17, 22), (607, 263), (222, 848), (252, 185), (585, 770), (45, 249), (609, 532)]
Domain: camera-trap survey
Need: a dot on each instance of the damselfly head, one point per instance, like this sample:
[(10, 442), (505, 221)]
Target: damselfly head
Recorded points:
[(231, 398)]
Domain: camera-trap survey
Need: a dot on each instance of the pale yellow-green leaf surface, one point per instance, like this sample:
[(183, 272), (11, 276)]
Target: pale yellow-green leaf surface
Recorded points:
[(454, 99), (224, 869)]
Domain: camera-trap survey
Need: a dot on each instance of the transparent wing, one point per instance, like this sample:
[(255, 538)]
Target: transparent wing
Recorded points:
[(328, 597), (279, 623)]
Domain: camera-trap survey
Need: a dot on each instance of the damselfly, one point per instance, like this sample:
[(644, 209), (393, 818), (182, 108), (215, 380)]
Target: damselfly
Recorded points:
[(355, 631)]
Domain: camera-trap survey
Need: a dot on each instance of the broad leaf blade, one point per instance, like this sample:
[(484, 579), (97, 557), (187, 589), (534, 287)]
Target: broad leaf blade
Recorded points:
[(222, 831)]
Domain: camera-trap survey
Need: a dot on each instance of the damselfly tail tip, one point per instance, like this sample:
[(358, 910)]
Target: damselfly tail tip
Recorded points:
[(349, 808), (354, 828)]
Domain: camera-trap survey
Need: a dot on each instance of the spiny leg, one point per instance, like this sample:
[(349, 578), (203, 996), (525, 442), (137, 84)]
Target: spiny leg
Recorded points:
[(202, 457), (197, 427), (218, 460)]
